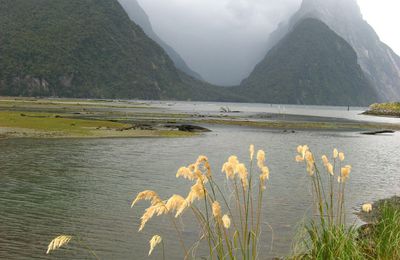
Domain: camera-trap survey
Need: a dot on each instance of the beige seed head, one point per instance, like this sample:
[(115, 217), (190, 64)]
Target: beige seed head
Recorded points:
[(251, 150), (309, 157), (341, 156), (299, 158), (156, 209), (154, 241), (229, 171), (233, 160), (329, 168), (345, 171), (299, 149), (58, 242), (260, 158), (146, 195), (367, 207), (304, 148), (335, 153), (175, 202), (197, 192), (185, 173), (242, 172), (325, 160), (226, 221), (216, 209), (201, 159)]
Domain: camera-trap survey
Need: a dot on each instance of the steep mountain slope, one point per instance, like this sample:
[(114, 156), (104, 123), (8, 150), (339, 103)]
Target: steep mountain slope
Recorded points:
[(380, 64), (85, 48), (310, 65), (137, 14)]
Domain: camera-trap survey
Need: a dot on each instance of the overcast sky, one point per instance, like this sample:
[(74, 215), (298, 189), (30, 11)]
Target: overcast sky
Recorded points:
[(223, 39)]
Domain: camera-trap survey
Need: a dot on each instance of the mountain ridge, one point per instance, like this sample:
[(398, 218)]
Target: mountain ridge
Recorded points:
[(139, 16), (378, 61), (310, 65)]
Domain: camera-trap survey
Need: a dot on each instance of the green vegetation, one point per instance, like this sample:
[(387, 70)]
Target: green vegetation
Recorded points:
[(384, 109), (86, 48), (311, 65), (383, 239), (47, 125)]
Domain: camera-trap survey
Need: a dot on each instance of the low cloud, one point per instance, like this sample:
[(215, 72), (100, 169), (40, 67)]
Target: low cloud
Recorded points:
[(220, 39)]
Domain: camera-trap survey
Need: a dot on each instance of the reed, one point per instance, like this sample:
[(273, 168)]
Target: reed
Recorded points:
[(383, 239), (231, 228), (326, 235)]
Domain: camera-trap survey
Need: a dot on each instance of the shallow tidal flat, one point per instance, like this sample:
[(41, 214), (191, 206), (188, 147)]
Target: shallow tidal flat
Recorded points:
[(78, 118), (73, 119)]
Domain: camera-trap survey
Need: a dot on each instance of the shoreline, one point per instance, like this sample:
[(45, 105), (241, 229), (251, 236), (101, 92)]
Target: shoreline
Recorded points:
[(63, 118)]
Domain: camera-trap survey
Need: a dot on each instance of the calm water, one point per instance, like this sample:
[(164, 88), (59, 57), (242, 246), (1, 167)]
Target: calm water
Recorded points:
[(84, 187)]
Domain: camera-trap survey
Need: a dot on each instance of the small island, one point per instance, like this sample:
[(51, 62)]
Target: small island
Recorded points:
[(384, 109)]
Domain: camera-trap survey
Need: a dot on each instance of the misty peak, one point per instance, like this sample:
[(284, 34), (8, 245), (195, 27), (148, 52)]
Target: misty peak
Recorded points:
[(331, 8)]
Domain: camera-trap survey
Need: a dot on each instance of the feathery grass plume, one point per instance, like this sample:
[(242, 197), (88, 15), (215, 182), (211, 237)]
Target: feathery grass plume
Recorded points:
[(335, 153), (216, 210), (202, 162), (58, 242), (226, 221), (299, 158), (341, 156), (154, 241), (157, 208), (201, 159), (242, 172), (310, 162), (344, 173), (264, 176), (329, 168), (233, 160), (325, 160), (301, 150), (176, 203), (186, 173), (196, 192), (146, 195), (260, 158), (229, 171), (367, 207), (251, 150)]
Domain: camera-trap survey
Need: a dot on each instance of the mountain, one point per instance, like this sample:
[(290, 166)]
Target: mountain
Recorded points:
[(138, 15), (380, 64), (86, 48), (310, 65)]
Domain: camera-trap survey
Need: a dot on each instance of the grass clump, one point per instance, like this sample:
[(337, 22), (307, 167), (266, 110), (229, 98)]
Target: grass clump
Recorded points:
[(382, 238), (326, 235), (229, 225)]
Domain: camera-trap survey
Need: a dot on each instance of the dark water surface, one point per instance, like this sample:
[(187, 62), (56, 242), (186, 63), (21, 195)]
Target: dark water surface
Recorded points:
[(85, 187)]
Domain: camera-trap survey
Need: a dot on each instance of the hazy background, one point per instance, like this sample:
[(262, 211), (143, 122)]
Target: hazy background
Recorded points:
[(223, 39)]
